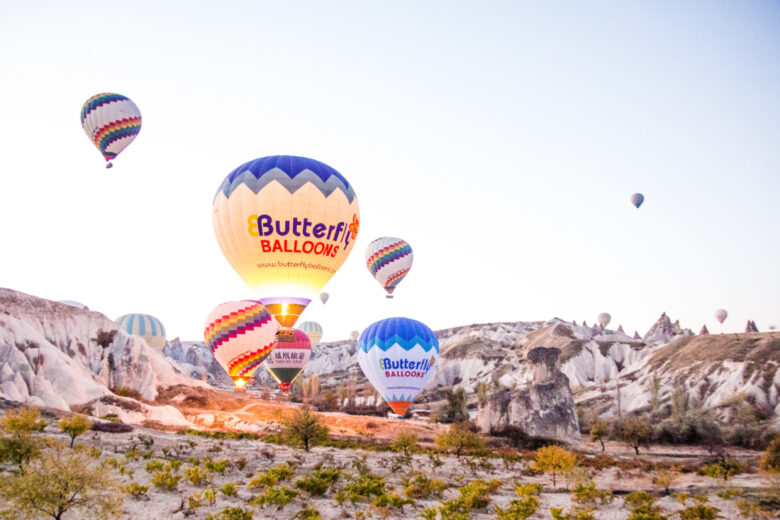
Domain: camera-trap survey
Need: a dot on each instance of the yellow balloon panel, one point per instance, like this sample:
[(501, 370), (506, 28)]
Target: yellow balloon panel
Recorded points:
[(285, 235)]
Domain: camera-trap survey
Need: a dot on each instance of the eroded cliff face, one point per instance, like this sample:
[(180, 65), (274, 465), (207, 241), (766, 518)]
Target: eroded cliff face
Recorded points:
[(58, 356), (543, 409)]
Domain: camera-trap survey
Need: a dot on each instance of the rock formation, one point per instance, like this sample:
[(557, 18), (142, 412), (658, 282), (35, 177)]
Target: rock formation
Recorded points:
[(545, 409), (751, 326), (663, 331), (620, 329), (704, 331)]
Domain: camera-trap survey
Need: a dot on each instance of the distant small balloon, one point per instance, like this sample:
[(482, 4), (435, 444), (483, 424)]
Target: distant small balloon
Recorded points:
[(324, 297), (313, 330), (145, 326), (721, 315), (72, 303), (604, 318), (354, 335), (111, 121), (637, 199)]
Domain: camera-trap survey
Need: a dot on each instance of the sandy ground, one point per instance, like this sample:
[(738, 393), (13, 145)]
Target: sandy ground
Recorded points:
[(261, 456)]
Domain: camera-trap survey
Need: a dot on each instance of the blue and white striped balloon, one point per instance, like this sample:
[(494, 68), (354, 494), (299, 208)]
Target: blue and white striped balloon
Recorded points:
[(397, 356), (145, 326), (313, 330)]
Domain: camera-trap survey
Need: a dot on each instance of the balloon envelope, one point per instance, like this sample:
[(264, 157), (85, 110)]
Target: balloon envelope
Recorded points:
[(397, 355), (721, 315), (389, 260), (286, 224), (240, 336), (288, 359), (324, 297), (72, 303), (637, 199), (111, 121), (145, 326), (313, 330), (604, 318)]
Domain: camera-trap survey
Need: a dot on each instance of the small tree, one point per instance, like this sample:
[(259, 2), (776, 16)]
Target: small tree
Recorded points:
[(637, 432), (20, 446), (406, 442), (770, 460), (554, 460), (459, 438), (665, 477), (75, 426), (455, 409), (597, 433), (305, 427), (60, 481)]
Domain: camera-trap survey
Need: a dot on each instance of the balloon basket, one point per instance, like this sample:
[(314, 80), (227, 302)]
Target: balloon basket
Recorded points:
[(109, 165), (285, 335)]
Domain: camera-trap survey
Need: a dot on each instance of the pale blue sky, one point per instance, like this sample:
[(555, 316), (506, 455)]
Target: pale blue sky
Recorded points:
[(501, 139)]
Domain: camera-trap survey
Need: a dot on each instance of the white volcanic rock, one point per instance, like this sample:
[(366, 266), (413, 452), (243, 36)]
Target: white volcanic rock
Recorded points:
[(664, 331), (50, 356)]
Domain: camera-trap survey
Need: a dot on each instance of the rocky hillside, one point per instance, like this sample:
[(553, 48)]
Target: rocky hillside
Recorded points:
[(58, 356)]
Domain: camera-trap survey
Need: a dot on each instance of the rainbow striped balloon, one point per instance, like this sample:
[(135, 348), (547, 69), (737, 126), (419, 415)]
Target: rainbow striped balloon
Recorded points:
[(389, 260), (240, 335), (111, 121), (145, 326)]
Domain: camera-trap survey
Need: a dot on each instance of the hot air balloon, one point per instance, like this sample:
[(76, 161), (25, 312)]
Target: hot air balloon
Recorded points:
[(111, 121), (324, 297), (637, 199), (354, 335), (288, 358), (313, 330), (240, 335), (389, 260), (148, 327), (397, 355), (604, 318), (721, 315), (285, 224), (71, 303)]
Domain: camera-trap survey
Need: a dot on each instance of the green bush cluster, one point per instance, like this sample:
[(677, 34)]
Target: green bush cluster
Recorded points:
[(420, 486), (276, 496), (525, 506), (474, 495), (320, 480)]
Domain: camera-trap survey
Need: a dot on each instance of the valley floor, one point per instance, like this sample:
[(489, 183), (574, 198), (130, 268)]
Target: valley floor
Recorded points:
[(260, 456)]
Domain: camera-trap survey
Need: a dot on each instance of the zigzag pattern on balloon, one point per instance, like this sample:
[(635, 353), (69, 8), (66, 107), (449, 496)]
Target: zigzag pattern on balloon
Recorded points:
[(386, 255), (114, 131), (291, 172), (406, 344), (395, 279), (246, 364), (236, 323), (99, 100)]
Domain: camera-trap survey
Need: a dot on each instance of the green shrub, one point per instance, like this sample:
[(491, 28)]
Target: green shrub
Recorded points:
[(461, 439), (724, 468), (320, 480), (420, 486), (154, 465), (229, 490), (278, 497), (308, 513), (165, 480), (520, 509), (272, 476), (699, 512), (589, 495), (304, 427), (365, 486), (134, 489), (195, 475), (231, 513), (391, 499), (218, 466)]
